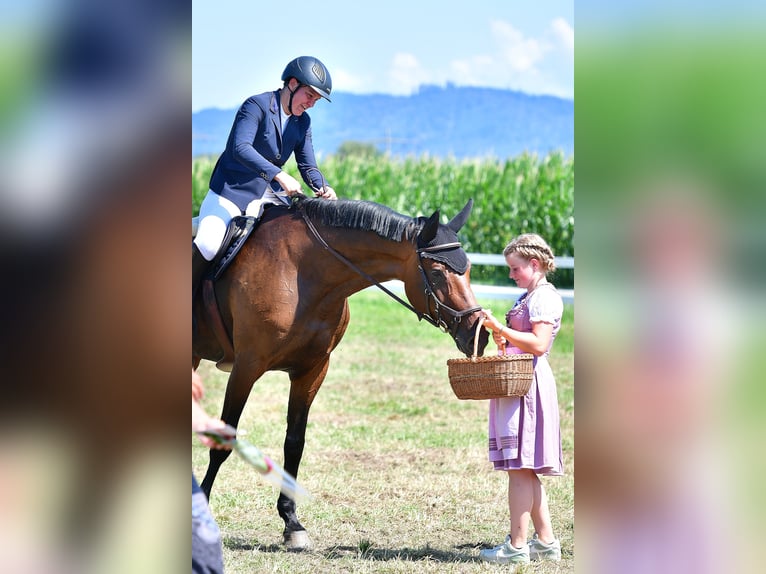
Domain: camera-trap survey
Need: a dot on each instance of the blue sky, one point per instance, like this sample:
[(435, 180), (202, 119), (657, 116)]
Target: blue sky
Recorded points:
[(240, 48)]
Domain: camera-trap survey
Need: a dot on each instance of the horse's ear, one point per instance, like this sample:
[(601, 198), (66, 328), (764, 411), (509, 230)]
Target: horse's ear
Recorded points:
[(428, 233), (459, 220)]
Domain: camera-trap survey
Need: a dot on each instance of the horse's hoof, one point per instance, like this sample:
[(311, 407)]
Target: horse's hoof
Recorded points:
[(298, 540)]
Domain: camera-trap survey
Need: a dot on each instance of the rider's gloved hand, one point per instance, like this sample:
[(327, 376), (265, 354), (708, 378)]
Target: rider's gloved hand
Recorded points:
[(288, 183), (326, 193)]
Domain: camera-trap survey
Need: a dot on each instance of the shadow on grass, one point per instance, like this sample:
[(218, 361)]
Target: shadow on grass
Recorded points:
[(461, 553), (244, 544)]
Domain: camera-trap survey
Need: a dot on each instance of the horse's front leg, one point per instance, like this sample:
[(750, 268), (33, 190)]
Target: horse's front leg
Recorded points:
[(238, 389), (303, 389)]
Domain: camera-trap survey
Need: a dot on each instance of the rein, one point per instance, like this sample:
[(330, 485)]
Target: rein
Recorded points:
[(438, 322)]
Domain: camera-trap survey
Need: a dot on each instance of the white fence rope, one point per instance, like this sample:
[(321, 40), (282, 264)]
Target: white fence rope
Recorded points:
[(493, 259), (509, 292), (496, 291)]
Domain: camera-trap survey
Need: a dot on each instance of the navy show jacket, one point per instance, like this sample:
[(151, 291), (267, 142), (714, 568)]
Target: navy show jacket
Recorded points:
[(257, 149)]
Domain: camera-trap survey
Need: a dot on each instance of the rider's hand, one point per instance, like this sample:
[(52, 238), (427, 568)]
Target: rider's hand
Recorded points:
[(288, 183), (326, 193)]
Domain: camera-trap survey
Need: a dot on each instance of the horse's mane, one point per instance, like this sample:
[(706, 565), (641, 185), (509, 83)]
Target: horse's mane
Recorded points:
[(363, 215)]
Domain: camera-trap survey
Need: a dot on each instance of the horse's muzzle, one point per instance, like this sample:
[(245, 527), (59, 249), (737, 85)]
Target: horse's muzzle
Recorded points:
[(465, 340)]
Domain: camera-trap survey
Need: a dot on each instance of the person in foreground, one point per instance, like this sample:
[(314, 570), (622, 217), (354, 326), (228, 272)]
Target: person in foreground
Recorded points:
[(207, 550), (267, 130), (524, 432)]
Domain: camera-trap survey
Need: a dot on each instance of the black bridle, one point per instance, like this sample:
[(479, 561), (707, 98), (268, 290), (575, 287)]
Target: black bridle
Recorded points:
[(437, 321)]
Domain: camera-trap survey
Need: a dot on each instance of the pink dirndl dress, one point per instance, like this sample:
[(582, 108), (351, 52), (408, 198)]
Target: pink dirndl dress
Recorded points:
[(524, 432)]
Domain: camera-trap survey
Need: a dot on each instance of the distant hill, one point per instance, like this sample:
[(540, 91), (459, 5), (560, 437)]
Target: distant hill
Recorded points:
[(441, 122)]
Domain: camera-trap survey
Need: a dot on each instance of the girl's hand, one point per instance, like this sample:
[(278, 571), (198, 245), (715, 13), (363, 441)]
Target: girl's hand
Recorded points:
[(490, 322), (495, 326)]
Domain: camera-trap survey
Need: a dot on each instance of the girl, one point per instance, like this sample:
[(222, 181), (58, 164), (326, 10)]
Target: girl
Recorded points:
[(524, 434)]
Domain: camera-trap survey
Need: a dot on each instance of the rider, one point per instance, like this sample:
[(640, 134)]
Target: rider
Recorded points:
[(267, 129)]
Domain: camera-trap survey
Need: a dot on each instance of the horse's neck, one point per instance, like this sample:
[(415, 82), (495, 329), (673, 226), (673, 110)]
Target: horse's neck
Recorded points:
[(362, 255)]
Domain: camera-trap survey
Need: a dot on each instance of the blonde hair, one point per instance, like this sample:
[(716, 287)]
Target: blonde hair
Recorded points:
[(529, 246)]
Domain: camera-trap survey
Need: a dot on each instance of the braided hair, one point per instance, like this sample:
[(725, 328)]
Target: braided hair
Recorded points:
[(531, 245)]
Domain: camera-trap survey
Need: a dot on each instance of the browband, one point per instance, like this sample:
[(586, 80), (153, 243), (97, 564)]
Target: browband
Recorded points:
[(441, 247)]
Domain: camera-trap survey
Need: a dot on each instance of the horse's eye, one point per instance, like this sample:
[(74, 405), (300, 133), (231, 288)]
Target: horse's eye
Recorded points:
[(437, 276)]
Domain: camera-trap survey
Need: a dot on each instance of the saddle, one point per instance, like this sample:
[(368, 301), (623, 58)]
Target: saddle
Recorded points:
[(239, 229), (237, 233)]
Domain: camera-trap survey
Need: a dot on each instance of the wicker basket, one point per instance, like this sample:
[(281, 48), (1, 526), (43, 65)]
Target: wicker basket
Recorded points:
[(490, 377)]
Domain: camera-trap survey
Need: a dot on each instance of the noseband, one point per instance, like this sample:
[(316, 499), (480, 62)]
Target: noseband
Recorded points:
[(437, 321)]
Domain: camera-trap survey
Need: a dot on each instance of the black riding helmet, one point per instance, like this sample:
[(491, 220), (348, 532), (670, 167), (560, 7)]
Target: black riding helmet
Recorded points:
[(309, 71)]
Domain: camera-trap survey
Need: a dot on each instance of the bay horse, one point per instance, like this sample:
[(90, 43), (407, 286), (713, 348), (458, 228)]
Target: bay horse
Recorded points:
[(283, 301)]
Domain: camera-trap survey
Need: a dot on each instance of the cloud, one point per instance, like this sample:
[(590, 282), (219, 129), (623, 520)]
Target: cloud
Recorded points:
[(542, 64), (518, 52), (513, 63), (559, 65), (564, 33), (536, 65), (344, 81), (406, 74), (473, 71)]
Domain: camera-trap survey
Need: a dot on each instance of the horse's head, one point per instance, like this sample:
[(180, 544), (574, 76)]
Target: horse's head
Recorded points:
[(446, 297)]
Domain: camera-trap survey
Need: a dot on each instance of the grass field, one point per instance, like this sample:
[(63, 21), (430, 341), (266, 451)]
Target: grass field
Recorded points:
[(397, 465)]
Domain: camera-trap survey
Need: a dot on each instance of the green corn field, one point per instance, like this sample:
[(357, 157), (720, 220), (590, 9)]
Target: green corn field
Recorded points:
[(525, 194)]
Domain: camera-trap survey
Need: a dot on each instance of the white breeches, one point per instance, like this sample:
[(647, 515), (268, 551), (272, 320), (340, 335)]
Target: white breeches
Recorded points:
[(216, 212)]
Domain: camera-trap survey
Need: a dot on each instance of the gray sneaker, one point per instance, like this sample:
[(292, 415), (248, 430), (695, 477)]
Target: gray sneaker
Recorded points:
[(538, 550), (505, 553)]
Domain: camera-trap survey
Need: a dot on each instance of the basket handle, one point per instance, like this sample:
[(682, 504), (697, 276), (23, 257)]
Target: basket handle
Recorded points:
[(476, 338)]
